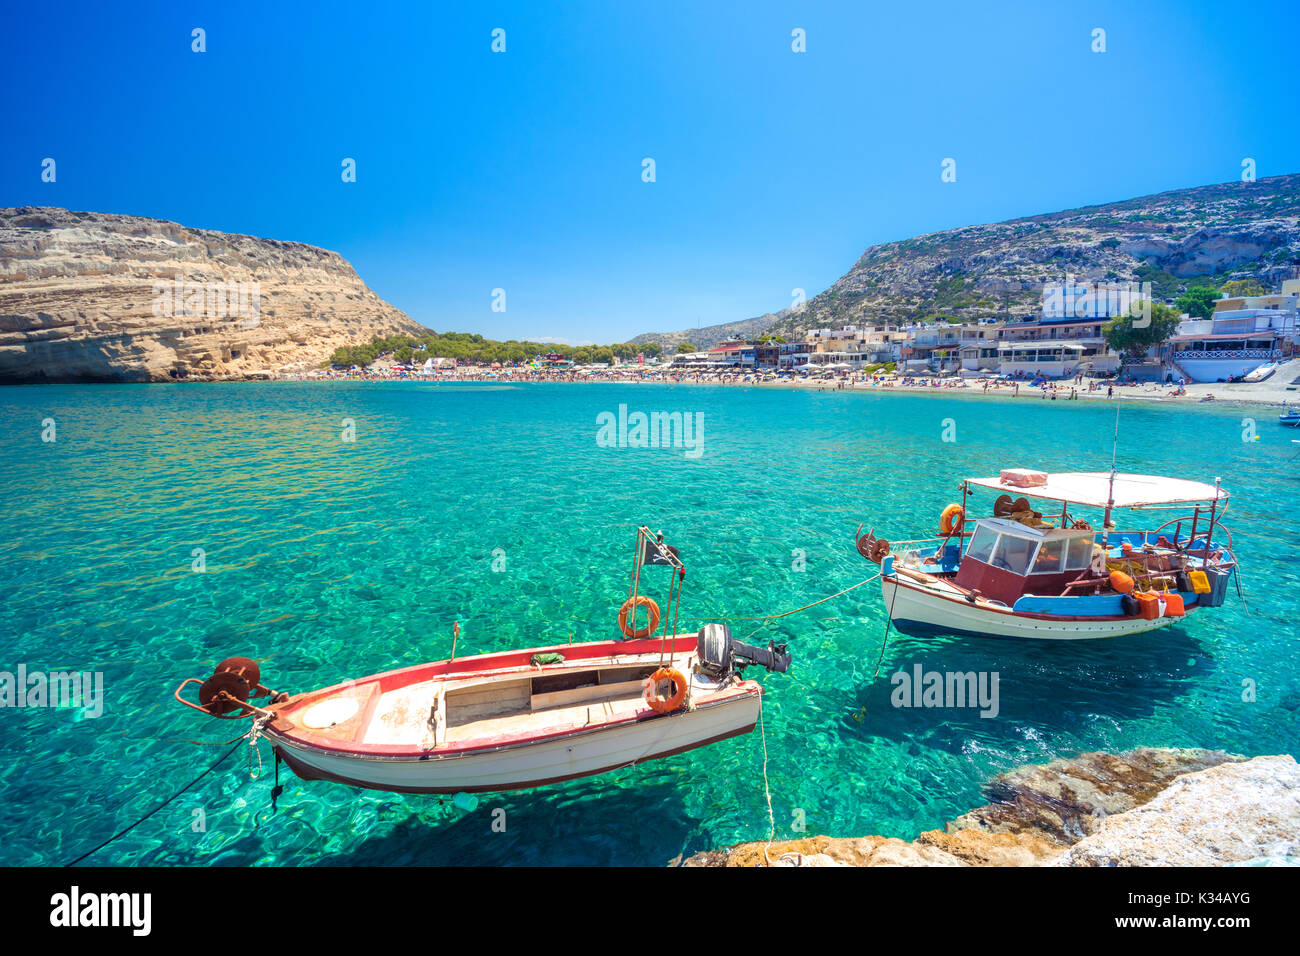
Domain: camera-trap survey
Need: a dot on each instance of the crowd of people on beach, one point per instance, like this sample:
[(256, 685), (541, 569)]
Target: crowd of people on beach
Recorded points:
[(838, 380)]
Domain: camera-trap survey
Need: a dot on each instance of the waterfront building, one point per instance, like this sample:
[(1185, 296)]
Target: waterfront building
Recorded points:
[(1242, 334)]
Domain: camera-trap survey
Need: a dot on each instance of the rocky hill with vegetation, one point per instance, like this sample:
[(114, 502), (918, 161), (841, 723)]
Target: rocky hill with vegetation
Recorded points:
[(710, 335), (1175, 240)]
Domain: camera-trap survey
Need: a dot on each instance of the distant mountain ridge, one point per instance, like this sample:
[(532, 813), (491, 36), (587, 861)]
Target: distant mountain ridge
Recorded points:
[(709, 335), (1226, 231)]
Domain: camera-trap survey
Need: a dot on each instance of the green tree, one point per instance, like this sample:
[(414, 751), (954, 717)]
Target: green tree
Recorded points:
[(1133, 335), (1198, 301), (1240, 287), (683, 347)]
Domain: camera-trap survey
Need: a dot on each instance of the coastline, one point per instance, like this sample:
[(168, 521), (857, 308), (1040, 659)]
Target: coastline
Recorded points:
[(1269, 394)]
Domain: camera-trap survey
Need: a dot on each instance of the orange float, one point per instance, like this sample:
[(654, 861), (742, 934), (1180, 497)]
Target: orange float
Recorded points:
[(650, 690), (629, 610), (952, 518), (1121, 582)]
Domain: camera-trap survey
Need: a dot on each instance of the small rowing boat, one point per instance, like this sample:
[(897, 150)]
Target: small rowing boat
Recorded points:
[(513, 719)]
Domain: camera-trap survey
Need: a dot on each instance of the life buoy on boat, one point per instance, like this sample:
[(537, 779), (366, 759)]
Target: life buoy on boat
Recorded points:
[(650, 690), (629, 610), (953, 517)]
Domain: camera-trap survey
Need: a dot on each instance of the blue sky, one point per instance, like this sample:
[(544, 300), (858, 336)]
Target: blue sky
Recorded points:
[(523, 170)]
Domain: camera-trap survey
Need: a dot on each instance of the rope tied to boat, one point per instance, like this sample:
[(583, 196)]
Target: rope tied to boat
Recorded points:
[(773, 617), (252, 736), (220, 760)]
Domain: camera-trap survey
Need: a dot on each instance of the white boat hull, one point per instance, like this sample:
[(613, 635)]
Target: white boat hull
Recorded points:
[(915, 607), (518, 766)]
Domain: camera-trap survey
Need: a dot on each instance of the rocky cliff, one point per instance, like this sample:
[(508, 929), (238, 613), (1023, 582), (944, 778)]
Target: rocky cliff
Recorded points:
[(1146, 807), (90, 296)]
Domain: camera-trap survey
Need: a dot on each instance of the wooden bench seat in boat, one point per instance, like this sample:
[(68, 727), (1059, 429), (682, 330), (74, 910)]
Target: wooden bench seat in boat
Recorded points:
[(479, 708)]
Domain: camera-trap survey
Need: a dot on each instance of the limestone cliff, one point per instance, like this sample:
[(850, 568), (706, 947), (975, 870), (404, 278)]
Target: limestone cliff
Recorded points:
[(90, 296)]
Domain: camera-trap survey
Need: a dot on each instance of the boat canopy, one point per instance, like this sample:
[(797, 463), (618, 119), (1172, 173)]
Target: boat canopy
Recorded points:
[(1093, 489)]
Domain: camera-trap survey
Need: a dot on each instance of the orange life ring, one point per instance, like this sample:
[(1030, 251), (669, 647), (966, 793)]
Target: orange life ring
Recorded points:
[(629, 608), (650, 690), (953, 517)]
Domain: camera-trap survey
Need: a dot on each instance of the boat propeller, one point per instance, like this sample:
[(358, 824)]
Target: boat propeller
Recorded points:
[(226, 693)]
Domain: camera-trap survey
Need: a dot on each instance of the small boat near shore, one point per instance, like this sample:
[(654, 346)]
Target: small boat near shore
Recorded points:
[(1014, 573), (513, 719), (1290, 417)]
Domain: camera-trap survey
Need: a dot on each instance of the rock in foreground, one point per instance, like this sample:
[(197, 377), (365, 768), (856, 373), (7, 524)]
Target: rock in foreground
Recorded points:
[(1236, 813), (1146, 807)]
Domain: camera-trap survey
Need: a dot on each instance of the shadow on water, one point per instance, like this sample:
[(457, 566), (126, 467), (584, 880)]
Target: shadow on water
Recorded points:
[(1051, 686), (589, 824)]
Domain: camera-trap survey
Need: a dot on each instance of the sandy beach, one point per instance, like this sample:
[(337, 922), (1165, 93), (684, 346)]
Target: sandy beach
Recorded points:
[(1276, 391)]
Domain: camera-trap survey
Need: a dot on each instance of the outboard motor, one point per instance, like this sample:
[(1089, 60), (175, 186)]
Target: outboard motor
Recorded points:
[(721, 654)]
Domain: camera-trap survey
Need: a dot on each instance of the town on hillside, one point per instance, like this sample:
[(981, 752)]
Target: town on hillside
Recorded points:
[(1093, 332)]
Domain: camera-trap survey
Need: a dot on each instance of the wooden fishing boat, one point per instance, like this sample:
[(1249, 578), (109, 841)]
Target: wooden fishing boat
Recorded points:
[(1014, 573), (513, 719)]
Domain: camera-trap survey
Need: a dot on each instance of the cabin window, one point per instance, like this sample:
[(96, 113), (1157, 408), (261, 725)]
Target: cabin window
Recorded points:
[(1013, 554), (1080, 553), (1051, 557), (981, 544)]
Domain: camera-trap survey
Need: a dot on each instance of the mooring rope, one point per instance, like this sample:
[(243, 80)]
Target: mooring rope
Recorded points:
[(889, 622), (771, 817), (160, 806), (773, 617), (1236, 575)]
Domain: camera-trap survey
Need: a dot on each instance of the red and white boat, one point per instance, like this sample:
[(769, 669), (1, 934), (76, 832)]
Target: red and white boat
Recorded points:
[(1018, 573), (513, 719)]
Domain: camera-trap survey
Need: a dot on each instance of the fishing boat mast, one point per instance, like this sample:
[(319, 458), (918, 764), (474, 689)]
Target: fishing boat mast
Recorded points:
[(1110, 494)]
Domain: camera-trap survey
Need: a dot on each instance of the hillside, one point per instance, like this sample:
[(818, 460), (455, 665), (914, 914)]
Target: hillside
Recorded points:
[(88, 296), (1227, 231), (709, 335)]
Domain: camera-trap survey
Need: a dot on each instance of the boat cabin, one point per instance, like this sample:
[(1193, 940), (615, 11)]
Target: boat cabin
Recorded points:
[(1007, 559)]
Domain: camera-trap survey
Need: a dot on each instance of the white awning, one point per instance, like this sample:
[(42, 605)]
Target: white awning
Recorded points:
[(1093, 489)]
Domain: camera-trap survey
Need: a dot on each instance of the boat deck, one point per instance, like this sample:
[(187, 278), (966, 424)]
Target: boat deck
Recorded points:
[(511, 705)]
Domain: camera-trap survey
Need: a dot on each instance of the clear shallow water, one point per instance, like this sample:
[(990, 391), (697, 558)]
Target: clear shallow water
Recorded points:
[(335, 560)]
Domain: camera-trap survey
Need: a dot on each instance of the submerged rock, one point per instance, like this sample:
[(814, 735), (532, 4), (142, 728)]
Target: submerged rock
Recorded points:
[(1145, 807)]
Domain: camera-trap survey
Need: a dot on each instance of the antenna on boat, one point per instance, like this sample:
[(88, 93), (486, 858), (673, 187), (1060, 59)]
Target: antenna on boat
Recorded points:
[(1110, 497)]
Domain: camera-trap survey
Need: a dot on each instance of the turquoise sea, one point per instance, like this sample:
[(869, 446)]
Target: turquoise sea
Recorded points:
[(332, 559)]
